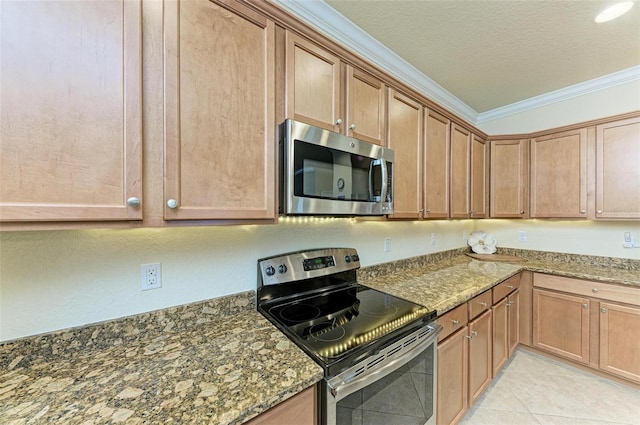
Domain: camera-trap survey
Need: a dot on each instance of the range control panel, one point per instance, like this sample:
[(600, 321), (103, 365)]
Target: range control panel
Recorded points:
[(308, 264)]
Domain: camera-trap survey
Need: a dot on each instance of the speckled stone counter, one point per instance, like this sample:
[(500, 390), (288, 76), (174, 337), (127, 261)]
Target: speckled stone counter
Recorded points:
[(445, 280), (215, 362)]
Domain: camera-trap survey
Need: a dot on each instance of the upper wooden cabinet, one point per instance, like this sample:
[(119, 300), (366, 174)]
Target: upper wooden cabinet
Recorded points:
[(313, 84), (220, 130), (509, 178), (479, 177), (617, 169), (559, 175), (71, 111), (437, 154), (366, 103), (469, 174), (460, 168), (317, 94), (405, 138)]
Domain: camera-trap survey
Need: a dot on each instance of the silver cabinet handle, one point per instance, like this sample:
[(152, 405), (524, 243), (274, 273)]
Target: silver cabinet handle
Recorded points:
[(522, 212), (599, 211), (339, 121), (594, 290), (483, 304), (474, 333), (585, 305), (583, 211), (455, 322), (428, 211), (133, 202), (509, 286), (172, 203), (352, 127), (604, 310)]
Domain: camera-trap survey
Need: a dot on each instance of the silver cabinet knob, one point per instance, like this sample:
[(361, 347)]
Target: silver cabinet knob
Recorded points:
[(352, 127), (585, 305), (455, 322), (599, 211), (133, 202), (583, 211), (594, 290), (474, 333), (339, 122), (172, 203), (483, 304), (604, 310), (509, 286), (522, 212), (428, 211)]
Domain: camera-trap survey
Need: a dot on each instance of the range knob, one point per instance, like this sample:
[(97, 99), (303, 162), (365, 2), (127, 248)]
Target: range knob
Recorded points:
[(355, 257), (270, 271), (282, 268), (347, 258)]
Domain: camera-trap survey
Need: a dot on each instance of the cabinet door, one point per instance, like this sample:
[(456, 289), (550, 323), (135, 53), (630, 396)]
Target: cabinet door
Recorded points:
[(559, 175), (513, 319), (366, 107), (71, 118), (617, 170), (436, 165), (509, 178), (314, 91), (479, 183), (297, 410), (480, 363), (220, 141), (620, 340), (500, 335), (405, 138), (460, 167), (561, 324), (452, 376)]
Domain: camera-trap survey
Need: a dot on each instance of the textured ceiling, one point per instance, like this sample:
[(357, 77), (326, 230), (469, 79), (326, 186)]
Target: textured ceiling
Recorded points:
[(491, 53)]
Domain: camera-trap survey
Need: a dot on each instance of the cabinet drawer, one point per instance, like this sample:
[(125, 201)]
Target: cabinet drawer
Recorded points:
[(452, 320), (605, 291), (479, 304), (503, 289)]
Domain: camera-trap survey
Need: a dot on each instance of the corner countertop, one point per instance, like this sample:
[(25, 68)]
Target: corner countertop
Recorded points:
[(220, 361), (216, 370), (445, 284)]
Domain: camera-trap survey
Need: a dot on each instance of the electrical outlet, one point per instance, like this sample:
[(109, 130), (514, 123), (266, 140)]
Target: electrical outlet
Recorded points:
[(434, 239), (387, 244), (522, 236), (150, 276)]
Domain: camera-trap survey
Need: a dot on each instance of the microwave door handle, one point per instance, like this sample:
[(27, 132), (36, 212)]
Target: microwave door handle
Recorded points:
[(383, 191), (383, 170)]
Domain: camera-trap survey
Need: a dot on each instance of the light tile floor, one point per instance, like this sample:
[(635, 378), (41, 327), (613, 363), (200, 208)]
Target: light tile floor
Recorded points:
[(533, 389)]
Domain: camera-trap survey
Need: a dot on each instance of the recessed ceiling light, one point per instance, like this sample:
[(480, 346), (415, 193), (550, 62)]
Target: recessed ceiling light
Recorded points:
[(612, 12)]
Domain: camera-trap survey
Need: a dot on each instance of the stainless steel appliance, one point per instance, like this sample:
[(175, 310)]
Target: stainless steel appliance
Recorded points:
[(378, 351), (326, 173)]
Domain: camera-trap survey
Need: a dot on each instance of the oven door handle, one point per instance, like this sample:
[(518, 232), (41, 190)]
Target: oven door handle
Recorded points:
[(339, 389)]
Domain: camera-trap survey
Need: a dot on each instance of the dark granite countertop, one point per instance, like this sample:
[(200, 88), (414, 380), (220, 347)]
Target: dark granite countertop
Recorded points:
[(220, 361)]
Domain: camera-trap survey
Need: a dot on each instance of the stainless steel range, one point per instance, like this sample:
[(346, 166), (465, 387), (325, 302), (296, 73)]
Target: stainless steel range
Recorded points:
[(378, 351)]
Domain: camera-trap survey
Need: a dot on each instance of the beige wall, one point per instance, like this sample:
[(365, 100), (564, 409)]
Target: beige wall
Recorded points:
[(604, 103), (59, 279)]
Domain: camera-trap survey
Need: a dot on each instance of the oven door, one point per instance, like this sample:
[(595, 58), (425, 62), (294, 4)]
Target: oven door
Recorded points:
[(328, 173), (395, 386)]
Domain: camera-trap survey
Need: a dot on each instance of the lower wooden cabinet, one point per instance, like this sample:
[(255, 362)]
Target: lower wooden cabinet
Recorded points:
[(453, 378), (298, 410), (601, 330), (506, 329), (480, 360), (620, 340)]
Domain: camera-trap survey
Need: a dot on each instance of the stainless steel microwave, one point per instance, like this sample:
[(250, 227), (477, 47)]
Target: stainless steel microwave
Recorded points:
[(326, 173)]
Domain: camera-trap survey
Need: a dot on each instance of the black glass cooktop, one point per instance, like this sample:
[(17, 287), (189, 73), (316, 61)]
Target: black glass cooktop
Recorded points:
[(333, 324)]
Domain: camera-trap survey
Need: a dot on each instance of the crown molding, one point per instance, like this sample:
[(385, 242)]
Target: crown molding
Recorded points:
[(601, 83), (332, 24)]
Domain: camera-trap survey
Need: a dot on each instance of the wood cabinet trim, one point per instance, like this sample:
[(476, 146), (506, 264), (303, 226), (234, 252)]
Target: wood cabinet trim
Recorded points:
[(433, 209), (501, 186), (613, 359), (604, 291), (356, 73)]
